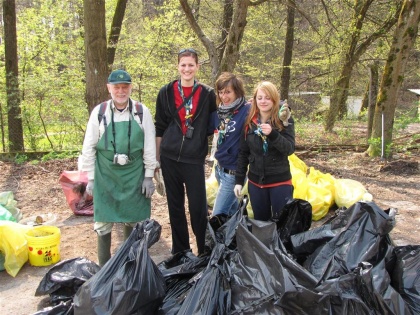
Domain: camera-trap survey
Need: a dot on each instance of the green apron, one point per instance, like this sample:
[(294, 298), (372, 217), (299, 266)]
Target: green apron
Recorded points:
[(117, 189)]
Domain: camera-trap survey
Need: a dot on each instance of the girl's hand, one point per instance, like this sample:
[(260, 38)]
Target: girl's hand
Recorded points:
[(266, 129)]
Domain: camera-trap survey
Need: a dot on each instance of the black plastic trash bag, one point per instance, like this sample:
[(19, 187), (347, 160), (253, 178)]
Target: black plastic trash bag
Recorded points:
[(304, 244), (209, 290), (226, 235), (130, 282), (218, 220), (362, 233), (299, 275), (296, 217), (210, 294), (258, 279), (178, 272), (365, 290), (64, 308), (260, 284), (63, 280), (182, 264), (176, 290), (246, 276), (406, 275)]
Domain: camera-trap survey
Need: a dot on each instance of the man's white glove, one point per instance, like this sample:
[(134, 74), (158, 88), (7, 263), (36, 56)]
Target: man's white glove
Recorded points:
[(237, 190), (148, 187), (89, 187)]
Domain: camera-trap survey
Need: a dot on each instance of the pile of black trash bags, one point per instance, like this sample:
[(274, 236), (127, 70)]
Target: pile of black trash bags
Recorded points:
[(348, 265)]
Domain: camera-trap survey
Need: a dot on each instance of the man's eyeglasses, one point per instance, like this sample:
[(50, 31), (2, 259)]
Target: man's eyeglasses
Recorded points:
[(191, 50)]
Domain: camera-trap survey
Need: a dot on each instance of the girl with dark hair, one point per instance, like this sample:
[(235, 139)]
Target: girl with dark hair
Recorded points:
[(183, 109), (228, 121)]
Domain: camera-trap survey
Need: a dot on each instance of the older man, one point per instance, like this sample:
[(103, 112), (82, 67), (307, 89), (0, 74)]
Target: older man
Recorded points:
[(119, 154)]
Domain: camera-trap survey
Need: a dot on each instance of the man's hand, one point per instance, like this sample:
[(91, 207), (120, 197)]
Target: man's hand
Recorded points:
[(237, 190), (148, 187), (89, 187)]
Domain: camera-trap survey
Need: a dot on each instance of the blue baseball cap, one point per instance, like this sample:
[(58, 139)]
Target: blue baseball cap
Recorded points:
[(119, 76)]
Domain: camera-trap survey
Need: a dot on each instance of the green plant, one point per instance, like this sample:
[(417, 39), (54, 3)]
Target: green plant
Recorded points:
[(376, 145), (21, 158), (59, 155), (402, 121)]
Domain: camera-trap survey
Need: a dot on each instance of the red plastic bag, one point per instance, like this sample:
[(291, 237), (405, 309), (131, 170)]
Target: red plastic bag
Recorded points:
[(74, 184)]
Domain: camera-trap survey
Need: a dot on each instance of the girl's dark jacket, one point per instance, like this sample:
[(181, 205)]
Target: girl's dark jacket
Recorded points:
[(175, 145), (271, 167)]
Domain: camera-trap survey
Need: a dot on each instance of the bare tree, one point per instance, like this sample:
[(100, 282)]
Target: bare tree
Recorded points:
[(95, 52), (115, 31), (14, 118), (224, 55), (403, 40), (355, 46), (373, 94), (288, 52)]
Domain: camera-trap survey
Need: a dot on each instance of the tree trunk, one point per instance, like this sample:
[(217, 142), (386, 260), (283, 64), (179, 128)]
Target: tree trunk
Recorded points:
[(95, 52), (234, 39), (227, 21), (373, 94), (339, 96), (403, 40), (114, 34), (14, 118), (288, 52), (365, 101), (221, 60)]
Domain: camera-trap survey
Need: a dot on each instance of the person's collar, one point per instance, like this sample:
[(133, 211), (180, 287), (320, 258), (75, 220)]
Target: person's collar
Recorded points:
[(116, 108)]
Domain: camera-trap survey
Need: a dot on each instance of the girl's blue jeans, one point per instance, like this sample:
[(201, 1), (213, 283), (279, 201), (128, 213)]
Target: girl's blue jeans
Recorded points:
[(226, 201)]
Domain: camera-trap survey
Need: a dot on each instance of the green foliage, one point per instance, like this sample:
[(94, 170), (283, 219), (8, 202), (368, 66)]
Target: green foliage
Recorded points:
[(263, 39), (20, 158), (60, 155), (51, 58), (402, 120), (376, 147)]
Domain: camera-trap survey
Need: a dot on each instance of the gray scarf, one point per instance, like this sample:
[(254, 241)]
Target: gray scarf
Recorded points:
[(225, 111)]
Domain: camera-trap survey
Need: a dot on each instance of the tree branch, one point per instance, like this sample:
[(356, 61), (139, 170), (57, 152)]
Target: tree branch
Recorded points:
[(207, 42), (196, 28), (256, 2), (388, 24)]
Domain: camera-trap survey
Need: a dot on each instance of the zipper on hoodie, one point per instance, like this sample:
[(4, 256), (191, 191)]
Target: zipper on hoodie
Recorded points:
[(180, 149)]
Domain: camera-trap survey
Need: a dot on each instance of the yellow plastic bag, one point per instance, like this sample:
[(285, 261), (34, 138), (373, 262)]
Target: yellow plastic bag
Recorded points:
[(321, 187), (298, 163), (320, 199), (211, 187), (13, 245), (349, 191), (325, 180), (300, 183)]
